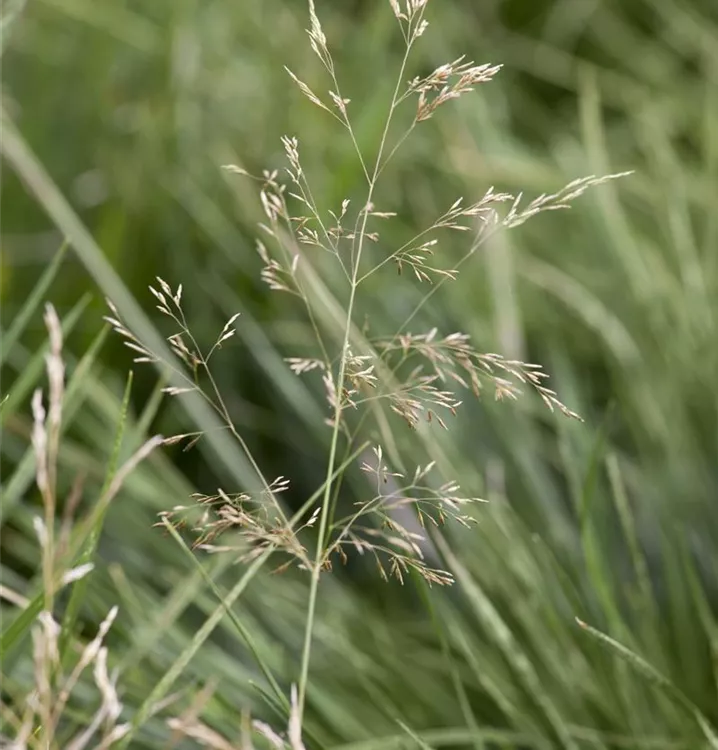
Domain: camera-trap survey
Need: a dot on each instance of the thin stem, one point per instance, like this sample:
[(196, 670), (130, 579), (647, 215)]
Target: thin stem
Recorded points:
[(340, 478), (327, 498), (397, 146), (303, 295), (348, 126), (245, 447), (224, 412)]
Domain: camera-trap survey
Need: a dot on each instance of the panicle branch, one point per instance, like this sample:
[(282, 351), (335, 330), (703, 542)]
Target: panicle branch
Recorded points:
[(447, 82), (453, 358)]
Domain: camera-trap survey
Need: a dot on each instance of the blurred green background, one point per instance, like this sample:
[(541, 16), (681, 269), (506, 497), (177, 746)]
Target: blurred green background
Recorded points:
[(128, 109)]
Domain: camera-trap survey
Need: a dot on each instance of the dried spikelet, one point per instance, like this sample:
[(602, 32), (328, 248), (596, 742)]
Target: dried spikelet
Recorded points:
[(416, 258), (304, 88), (397, 10), (291, 149), (172, 390), (410, 18), (175, 439), (130, 340), (448, 81), (76, 574), (56, 380), (555, 201), (483, 209), (317, 39), (301, 365), (277, 276), (39, 443), (341, 104)]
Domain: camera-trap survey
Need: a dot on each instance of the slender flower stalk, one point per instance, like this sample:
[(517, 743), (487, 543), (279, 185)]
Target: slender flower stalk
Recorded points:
[(326, 500)]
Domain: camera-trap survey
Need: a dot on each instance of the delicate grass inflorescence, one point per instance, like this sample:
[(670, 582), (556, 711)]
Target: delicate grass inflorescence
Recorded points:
[(415, 375)]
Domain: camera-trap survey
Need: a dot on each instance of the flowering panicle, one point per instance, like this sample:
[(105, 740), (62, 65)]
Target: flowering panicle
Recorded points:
[(413, 375), (453, 358), (375, 527), (256, 518)]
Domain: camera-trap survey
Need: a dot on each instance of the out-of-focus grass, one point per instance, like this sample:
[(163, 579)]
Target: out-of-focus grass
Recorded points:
[(131, 108)]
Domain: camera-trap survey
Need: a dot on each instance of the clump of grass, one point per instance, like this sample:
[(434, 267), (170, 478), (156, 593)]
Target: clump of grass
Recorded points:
[(415, 375), (38, 719)]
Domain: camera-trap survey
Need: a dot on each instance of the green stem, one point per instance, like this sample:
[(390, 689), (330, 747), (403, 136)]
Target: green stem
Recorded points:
[(327, 497)]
